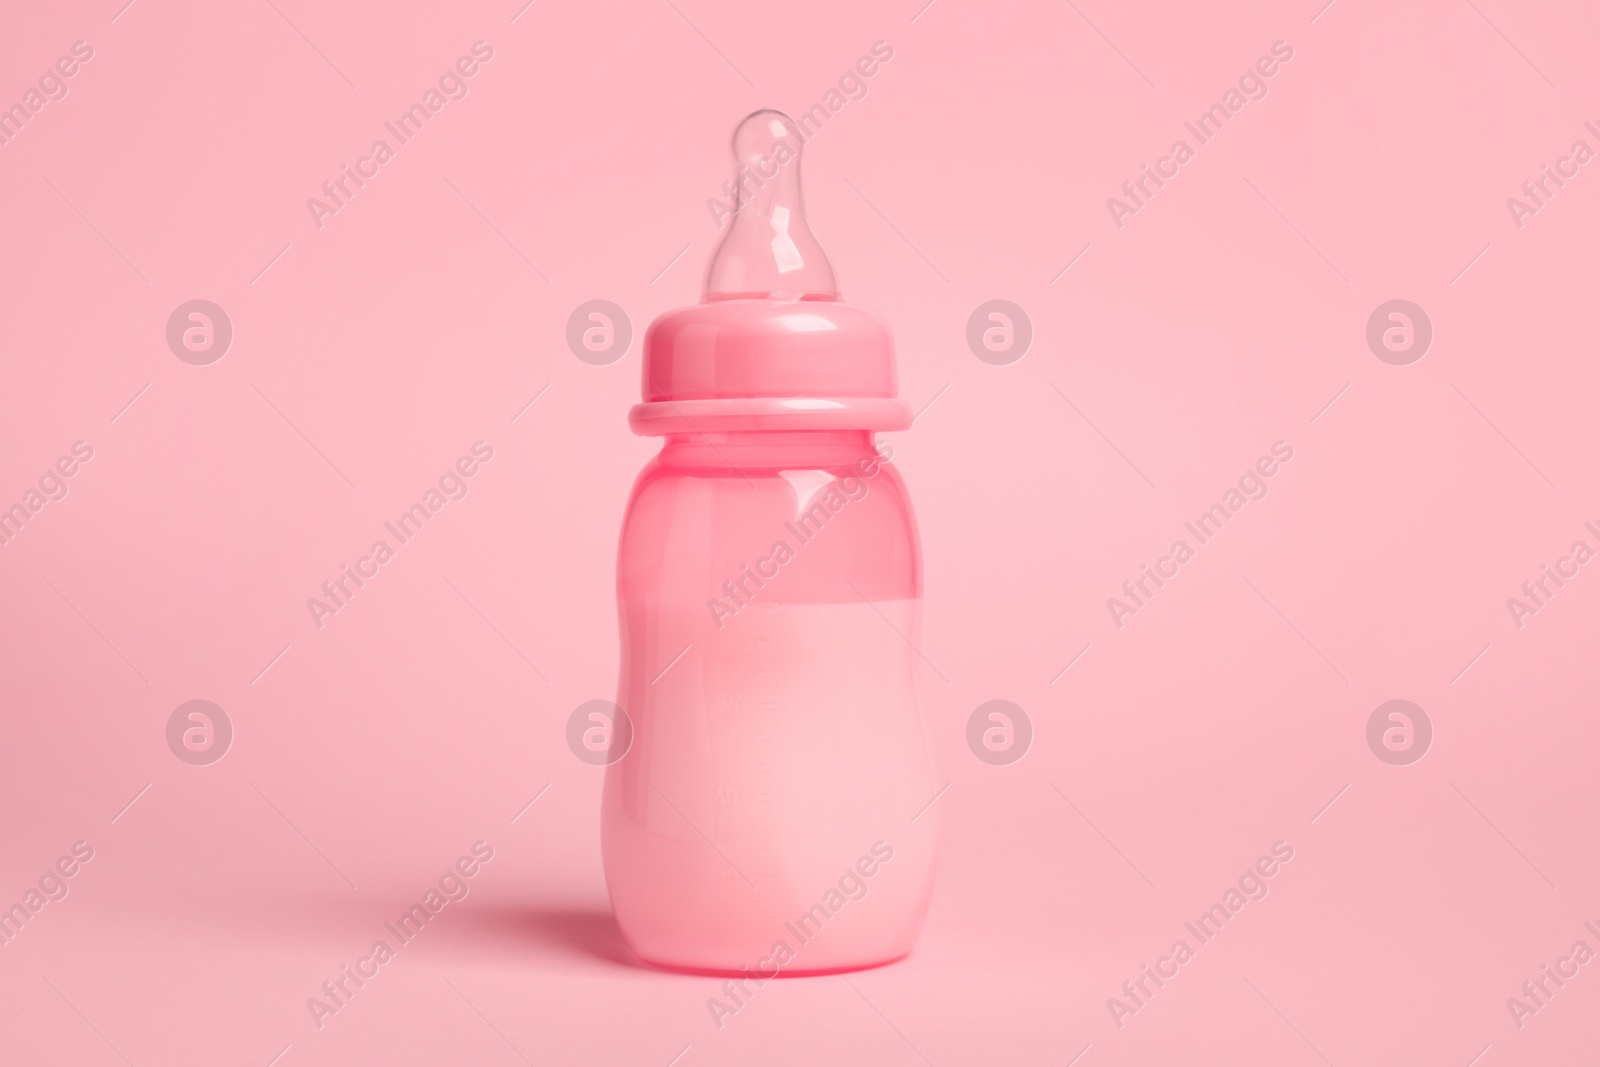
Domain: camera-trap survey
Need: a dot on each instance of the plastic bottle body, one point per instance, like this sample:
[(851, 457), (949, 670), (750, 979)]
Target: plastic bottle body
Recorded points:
[(769, 587)]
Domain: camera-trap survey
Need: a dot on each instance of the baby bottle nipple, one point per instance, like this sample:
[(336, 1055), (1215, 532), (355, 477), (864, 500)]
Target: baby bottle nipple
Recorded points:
[(768, 252)]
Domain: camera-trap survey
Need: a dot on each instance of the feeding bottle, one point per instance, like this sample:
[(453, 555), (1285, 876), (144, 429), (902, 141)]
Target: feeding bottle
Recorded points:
[(768, 817)]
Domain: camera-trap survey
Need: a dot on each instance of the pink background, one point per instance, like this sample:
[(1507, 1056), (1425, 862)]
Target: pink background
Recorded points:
[(1225, 716)]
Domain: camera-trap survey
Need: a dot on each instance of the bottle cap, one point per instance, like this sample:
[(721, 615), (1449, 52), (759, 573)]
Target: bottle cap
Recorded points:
[(770, 346)]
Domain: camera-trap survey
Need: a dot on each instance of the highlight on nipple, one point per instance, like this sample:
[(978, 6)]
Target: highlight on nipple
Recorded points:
[(768, 250)]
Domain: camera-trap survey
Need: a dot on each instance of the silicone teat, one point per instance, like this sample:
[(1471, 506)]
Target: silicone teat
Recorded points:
[(768, 252)]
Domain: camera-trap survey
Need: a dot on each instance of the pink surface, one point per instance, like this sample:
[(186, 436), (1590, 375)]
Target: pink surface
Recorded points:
[(1171, 343)]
